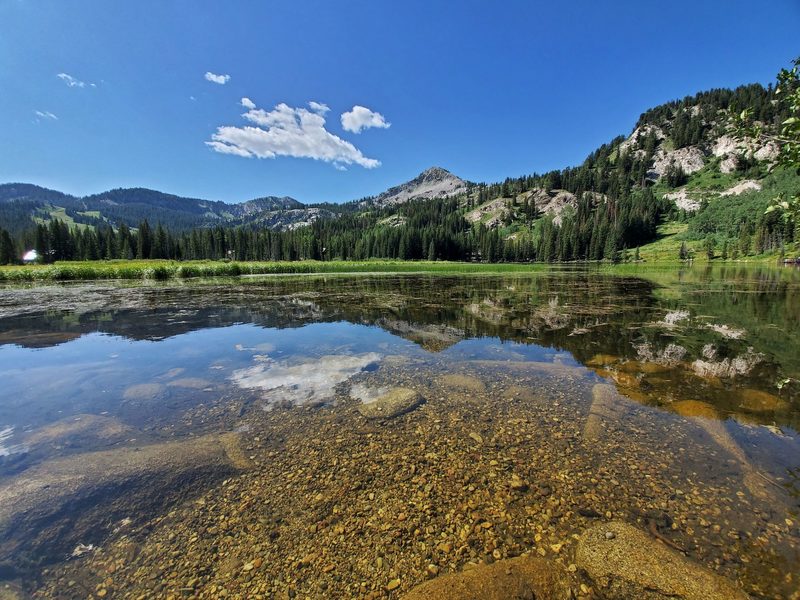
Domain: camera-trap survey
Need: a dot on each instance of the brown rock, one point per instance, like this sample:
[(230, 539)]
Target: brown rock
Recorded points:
[(632, 564), (393, 403), (521, 578)]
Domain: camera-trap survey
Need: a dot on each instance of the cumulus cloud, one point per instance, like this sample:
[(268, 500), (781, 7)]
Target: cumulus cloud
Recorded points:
[(247, 103), (214, 78), (361, 118), (72, 81), (287, 131), (318, 107), (46, 114)]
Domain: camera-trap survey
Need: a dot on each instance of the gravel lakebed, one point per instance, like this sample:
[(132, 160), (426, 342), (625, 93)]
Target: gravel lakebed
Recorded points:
[(497, 462)]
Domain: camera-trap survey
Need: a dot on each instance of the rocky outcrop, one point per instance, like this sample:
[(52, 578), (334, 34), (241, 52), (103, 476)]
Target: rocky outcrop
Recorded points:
[(431, 183), (521, 578), (748, 185), (638, 136), (683, 199), (689, 159), (625, 562)]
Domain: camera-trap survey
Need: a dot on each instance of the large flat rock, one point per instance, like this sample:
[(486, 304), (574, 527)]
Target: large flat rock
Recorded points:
[(521, 578), (48, 509), (393, 403), (627, 563)]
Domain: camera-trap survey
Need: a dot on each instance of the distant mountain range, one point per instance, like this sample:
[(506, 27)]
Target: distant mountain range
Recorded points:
[(23, 204)]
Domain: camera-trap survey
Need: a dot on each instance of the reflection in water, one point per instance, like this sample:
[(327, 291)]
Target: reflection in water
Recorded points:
[(529, 370)]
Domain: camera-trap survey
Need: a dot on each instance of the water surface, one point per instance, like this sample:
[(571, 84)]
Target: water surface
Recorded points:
[(698, 442)]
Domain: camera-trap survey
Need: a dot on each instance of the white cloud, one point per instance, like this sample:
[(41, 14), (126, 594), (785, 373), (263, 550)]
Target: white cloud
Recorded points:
[(318, 107), (247, 103), (214, 78), (360, 118), (46, 114), (71, 81), (287, 131)]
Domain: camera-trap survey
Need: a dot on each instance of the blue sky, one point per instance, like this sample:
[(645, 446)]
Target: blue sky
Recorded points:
[(484, 89)]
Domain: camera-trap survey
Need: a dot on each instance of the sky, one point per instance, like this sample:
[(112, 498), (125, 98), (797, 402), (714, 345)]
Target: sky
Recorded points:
[(336, 100)]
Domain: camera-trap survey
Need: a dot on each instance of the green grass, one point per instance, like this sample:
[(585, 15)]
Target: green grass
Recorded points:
[(59, 213), (666, 249), (163, 269)]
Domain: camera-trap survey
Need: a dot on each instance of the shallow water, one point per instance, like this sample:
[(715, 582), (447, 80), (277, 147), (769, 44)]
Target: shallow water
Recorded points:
[(699, 440)]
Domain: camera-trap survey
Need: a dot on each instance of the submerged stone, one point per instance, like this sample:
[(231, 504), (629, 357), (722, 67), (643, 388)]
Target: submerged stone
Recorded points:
[(695, 408), (632, 564), (602, 360), (144, 392), (393, 403), (607, 406), (756, 401), (48, 509), (79, 430), (521, 578), (194, 383)]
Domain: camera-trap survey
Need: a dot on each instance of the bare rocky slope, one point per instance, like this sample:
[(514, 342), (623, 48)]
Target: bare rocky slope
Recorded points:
[(435, 182)]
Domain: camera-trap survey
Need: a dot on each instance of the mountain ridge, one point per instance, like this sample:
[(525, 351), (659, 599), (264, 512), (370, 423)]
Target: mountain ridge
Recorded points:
[(132, 205)]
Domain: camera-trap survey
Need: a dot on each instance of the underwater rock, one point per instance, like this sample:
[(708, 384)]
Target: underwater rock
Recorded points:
[(756, 401), (393, 403), (194, 383), (142, 392), (521, 578), (707, 417), (48, 509), (603, 360), (607, 405), (78, 430), (631, 564)]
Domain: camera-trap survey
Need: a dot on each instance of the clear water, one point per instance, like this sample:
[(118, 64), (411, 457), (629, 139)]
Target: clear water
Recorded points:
[(709, 359)]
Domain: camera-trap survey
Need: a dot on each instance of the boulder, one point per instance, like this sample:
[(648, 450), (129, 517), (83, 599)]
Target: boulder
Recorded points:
[(397, 401), (521, 578), (625, 562)]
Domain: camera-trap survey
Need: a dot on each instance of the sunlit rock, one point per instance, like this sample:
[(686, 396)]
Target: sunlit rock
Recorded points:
[(625, 562), (392, 403), (521, 578)]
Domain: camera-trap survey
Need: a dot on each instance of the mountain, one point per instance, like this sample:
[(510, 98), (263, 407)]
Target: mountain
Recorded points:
[(22, 204), (25, 204), (435, 182), (678, 173)]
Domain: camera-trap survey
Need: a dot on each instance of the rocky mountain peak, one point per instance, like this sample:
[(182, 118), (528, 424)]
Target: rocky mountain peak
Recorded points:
[(434, 182)]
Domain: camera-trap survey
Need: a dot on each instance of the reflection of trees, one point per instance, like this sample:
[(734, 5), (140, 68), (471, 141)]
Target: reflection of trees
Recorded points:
[(581, 312)]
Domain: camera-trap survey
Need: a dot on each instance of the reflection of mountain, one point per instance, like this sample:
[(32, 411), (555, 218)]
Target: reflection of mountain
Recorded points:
[(629, 322), (434, 312)]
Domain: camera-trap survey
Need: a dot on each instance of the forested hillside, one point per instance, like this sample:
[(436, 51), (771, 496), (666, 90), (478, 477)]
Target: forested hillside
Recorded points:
[(679, 166)]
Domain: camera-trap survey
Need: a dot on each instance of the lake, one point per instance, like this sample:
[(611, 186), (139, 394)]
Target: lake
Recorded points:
[(211, 437)]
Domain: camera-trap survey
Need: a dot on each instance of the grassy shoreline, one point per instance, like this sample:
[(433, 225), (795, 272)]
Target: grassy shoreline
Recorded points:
[(164, 269)]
